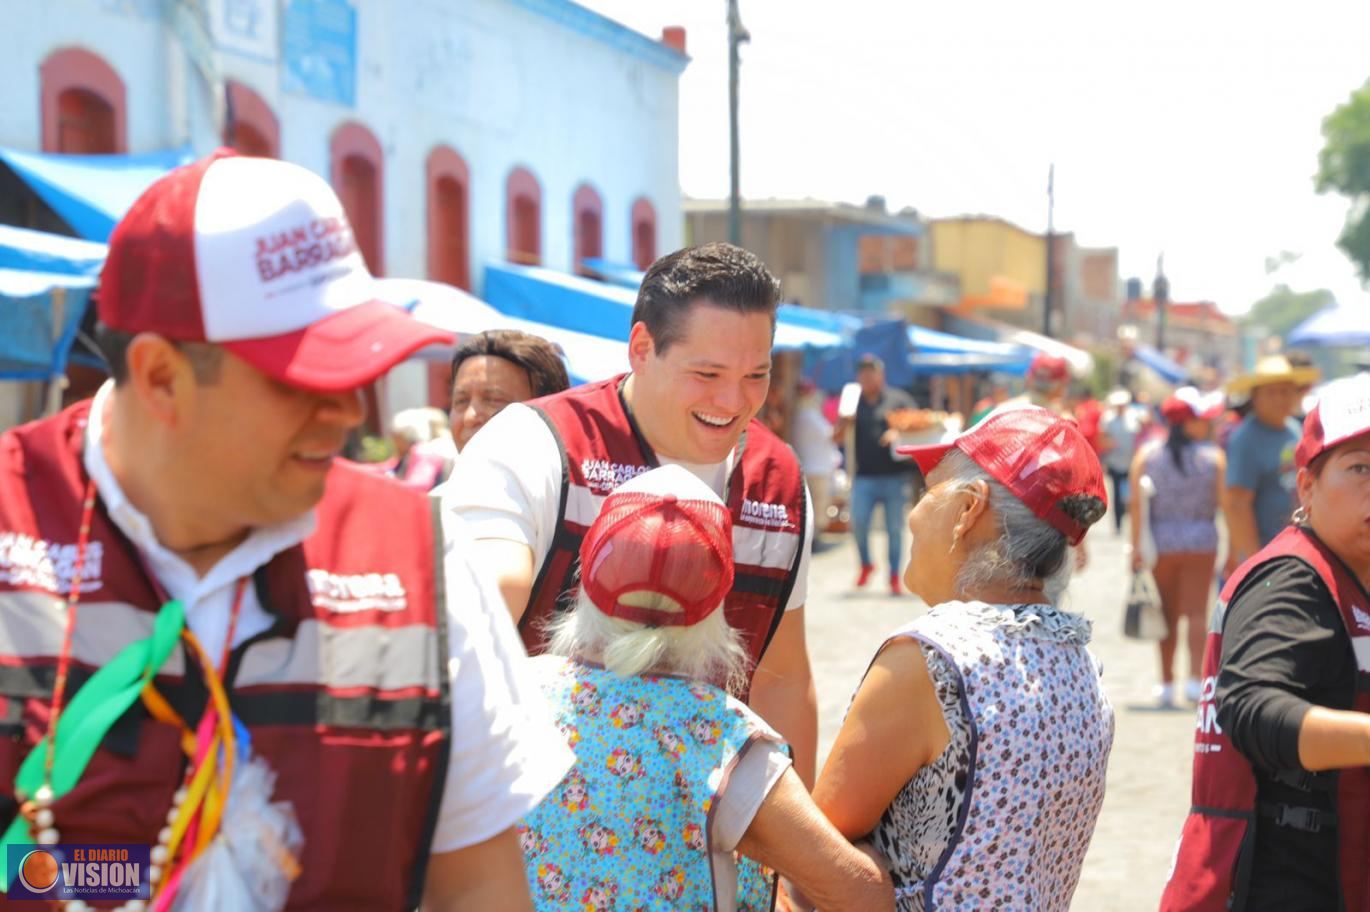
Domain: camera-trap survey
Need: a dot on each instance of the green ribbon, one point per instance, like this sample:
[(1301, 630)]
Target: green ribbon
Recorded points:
[(89, 716)]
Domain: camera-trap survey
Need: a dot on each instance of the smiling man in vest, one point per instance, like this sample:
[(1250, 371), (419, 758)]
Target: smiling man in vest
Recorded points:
[(182, 563), (533, 479)]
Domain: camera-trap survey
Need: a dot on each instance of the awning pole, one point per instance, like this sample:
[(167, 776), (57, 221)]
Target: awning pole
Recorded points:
[(57, 382)]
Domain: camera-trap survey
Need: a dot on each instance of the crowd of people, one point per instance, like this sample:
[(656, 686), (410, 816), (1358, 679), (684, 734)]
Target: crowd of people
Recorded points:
[(574, 673)]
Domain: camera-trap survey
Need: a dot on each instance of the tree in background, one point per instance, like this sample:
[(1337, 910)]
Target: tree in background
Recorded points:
[(1284, 308), (1344, 167)]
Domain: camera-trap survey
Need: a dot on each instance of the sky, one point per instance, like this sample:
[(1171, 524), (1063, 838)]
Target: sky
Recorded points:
[(1184, 127)]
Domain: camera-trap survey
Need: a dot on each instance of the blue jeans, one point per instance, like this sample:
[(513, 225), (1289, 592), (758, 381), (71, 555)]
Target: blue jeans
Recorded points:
[(890, 491)]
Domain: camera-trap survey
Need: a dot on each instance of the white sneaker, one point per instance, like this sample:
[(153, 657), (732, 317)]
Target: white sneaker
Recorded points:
[(1192, 690), (1165, 695)]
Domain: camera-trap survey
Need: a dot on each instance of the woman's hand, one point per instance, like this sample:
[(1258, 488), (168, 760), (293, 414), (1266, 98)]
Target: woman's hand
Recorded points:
[(1137, 563), (791, 836)]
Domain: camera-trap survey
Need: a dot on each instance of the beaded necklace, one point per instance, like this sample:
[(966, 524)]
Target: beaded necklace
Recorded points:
[(197, 806)]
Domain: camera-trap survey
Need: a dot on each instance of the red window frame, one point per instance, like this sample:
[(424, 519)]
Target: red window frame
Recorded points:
[(523, 217), (71, 72)]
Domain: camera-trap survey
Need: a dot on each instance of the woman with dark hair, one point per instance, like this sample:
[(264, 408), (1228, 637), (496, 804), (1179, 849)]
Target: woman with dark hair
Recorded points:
[(1280, 815), (974, 752), (1185, 492), (492, 369)]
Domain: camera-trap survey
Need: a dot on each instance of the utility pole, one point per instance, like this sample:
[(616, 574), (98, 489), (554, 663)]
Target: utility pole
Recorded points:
[(1051, 251), (1160, 292), (737, 35)]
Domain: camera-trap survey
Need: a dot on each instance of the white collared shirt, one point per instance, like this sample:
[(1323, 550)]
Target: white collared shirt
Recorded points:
[(506, 752)]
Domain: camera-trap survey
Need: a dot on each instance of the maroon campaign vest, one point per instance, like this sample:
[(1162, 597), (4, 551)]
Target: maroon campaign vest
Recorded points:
[(1212, 862), (601, 447), (345, 697)]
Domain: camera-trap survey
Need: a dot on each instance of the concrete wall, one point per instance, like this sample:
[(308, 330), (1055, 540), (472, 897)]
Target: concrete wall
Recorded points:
[(980, 249), (503, 83), (793, 248), (542, 84)]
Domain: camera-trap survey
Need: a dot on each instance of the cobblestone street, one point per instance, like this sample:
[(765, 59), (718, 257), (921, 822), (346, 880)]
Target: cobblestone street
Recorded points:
[(1148, 776)]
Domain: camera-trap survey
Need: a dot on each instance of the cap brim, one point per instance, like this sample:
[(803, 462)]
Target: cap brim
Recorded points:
[(341, 352), (927, 456)]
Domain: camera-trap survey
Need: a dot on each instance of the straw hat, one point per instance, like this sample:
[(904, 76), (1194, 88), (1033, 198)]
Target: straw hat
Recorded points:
[(1272, 369)]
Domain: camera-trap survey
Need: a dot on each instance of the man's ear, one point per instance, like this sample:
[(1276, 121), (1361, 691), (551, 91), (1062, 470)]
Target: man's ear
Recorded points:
[(160, 376), (641, 346)]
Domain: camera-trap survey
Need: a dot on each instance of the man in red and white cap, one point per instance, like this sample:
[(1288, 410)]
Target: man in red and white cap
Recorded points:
[(381, 690)]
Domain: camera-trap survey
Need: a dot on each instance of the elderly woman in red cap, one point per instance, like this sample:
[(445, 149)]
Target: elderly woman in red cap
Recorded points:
[(675, 778), (974, 751), (1180, 504), (1280, 813)]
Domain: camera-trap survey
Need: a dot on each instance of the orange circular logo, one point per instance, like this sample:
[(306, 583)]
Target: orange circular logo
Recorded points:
[(38, 871)]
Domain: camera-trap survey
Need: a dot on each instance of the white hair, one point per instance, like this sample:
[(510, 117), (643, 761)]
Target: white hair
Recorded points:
[(438, 423), (1027, 550), (710, 651), (413, 424)]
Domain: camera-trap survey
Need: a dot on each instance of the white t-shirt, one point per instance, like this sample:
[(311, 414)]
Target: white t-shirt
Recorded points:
[(507, 486), (813, 442), (506, 752)]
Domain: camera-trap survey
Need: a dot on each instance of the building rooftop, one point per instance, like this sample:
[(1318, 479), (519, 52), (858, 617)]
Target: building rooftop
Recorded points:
[(615, 34), (906, 221), (1196, 311)]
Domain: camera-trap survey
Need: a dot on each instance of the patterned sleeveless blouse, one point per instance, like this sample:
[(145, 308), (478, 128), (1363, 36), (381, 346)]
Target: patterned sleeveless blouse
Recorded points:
[(1003, 817), (630, 827), (1186, 503)]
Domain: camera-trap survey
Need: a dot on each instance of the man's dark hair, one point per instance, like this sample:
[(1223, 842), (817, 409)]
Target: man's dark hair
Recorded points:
[(540, 359), (721, 274), (206, 359)]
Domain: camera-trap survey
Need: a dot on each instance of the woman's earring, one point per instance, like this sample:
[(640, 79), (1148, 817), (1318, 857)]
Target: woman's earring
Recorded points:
[(1301, 516)]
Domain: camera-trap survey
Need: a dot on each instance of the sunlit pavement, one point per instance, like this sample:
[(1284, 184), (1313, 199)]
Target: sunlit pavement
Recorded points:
[(1148, 776)]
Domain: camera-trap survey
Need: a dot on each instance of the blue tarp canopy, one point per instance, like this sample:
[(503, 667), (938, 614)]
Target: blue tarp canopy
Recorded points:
[(26, 250), (596, 308), (587, 358), (34, 345), (887, 339), (33, 265), (1164, 367), (91, 192), (1337, 325), (623, 274), (943, 353)]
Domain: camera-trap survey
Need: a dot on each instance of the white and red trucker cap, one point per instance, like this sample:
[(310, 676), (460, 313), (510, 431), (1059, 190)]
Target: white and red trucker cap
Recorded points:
[(1040, 456), (255, 255), (1341, 413)]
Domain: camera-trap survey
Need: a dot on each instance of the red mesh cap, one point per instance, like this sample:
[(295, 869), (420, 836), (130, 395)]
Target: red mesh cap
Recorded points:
[(660, 553), (1040, 456), (1341, 414), (1051, 368)]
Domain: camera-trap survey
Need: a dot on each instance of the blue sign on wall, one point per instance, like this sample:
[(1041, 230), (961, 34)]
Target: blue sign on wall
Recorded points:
[(319, 44)]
